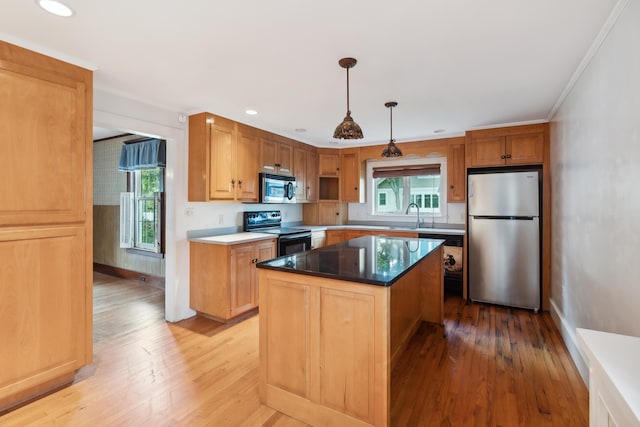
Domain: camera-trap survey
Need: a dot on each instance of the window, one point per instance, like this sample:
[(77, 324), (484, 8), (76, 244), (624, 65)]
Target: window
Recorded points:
[(393, 184), (403, 186), (147, 186), (142, 206)]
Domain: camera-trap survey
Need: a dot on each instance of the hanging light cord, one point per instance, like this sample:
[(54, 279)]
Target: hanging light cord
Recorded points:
[(391, 124), (348, 110)]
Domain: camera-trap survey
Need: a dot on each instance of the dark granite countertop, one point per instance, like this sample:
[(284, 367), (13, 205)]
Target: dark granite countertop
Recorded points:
[(374, 260)]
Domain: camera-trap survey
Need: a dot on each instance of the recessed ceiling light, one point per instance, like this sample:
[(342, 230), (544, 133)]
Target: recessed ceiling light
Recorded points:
[(55, 7), (251, 112), (439, 130), (300, 129)]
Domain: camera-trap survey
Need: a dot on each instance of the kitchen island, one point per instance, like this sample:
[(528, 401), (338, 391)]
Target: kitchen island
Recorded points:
[(334, 320)]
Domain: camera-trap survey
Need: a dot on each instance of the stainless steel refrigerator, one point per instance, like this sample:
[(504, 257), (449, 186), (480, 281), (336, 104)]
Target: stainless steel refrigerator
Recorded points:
[(504, 238)]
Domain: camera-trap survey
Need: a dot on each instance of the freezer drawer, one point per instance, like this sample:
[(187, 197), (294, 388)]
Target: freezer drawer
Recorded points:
[(504, 261)]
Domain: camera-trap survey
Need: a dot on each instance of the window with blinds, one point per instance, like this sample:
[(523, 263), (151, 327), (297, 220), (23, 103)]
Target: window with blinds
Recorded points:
[(399, 186)]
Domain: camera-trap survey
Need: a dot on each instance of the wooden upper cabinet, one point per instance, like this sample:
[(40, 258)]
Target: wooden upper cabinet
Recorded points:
[(456, 179), (329, 164), (525, 149), (221, 159), (517, 145), (351, 176), (299, 172), (247, 164), (312, 184), (43, 117), (276, 157)]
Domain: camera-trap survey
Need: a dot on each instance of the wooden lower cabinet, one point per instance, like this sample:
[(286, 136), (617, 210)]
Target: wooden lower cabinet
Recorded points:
[(335, 236), (223, 278), (43, 310)]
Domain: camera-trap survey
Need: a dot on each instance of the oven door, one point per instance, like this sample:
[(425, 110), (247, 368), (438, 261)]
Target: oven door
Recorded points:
[(293, 243)]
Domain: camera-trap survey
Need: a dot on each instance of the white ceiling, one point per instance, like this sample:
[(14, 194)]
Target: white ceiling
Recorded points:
[(450, 64)]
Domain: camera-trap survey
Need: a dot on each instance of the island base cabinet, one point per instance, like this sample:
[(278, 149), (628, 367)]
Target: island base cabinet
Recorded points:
[(333, 368)]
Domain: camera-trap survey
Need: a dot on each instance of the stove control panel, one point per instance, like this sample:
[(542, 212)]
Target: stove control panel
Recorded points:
[(261, 219)]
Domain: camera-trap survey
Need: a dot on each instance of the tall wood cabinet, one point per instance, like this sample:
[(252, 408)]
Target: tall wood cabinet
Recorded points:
[(223, 278), (222, 161), (456, 173), (45, 223)]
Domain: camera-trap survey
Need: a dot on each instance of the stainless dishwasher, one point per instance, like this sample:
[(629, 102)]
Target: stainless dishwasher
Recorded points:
[(452, 262)]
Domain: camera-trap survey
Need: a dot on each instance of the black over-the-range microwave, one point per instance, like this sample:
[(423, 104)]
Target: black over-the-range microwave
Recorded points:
[(277, 188)]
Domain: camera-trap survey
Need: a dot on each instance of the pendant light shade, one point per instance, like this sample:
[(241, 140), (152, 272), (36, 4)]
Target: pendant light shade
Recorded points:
[(392, 149), (348, 129)]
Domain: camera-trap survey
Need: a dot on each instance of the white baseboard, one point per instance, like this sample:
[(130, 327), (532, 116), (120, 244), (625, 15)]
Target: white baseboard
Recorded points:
[(568, 334)]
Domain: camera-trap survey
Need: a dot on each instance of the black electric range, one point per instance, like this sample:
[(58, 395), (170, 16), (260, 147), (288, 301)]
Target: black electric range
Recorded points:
[(290, 239)]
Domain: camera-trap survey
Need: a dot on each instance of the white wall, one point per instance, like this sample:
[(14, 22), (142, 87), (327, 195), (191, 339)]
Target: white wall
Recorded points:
[(595, 166), (118, 112)]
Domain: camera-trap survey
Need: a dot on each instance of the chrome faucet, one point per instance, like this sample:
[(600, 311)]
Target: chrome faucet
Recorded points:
[(417, 213)]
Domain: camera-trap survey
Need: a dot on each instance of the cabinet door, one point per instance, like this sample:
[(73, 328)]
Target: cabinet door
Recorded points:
[(525, 149), (284, 159), (246, 176), (488, 151), (222, 160), (43, 300), (329, 214), (312, 177), (241, 284), (334, 236), (354, 234), (350, 177), (264, 250), (329, 165), (42, 141), (456, 174), (267, 155), (299, 166)]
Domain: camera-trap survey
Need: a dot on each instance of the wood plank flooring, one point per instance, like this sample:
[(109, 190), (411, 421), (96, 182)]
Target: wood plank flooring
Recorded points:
[(489, 366)]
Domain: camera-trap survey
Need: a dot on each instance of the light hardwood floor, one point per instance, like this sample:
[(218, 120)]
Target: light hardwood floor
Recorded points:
[(489, 366)]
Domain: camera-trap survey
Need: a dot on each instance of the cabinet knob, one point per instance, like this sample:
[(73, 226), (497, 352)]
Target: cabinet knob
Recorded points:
[(240, 183), (337, 213), (508, 156), (254, 261), (503, 157), (355, 188), (451, 186), (233, 183)]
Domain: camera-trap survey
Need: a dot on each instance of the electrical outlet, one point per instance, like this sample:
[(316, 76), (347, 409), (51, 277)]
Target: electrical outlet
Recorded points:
[(188, 212), (220, 219)]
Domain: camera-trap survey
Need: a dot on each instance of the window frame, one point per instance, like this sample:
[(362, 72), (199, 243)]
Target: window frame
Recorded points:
[(134, 186), (371, 199)]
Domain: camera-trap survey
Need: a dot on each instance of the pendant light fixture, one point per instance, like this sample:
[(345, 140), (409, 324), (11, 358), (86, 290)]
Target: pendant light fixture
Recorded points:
[(348, 129), (392, 149)]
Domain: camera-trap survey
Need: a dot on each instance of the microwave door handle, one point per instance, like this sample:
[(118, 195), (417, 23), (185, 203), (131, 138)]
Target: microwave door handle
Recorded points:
[(290, 191)]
